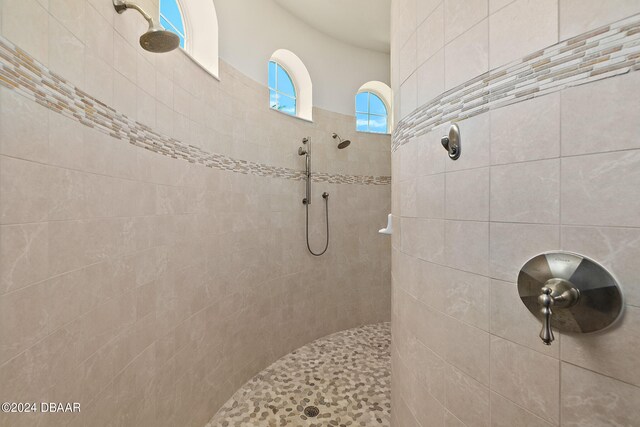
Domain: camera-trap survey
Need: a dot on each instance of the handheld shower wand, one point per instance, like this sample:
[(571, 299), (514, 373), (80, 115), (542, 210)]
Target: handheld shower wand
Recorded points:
[(302, 151)]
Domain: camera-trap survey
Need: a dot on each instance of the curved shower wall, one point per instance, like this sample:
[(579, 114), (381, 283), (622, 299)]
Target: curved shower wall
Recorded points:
[(536, 87), (152, 233)]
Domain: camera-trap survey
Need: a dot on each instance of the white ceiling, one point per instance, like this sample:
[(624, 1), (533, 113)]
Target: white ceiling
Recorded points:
[(363, 23)]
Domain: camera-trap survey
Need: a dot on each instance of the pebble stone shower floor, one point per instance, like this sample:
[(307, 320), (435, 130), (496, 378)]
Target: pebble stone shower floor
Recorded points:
[(346, 375)]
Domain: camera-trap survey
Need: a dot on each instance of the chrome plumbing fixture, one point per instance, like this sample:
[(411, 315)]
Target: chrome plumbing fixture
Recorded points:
[(569, 292), (452, 142), (344, 143), (156, 39), (305, 150)]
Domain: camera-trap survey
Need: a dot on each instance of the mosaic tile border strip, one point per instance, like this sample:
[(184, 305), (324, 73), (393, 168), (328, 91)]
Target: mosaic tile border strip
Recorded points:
[(598, 54), (22, 73)]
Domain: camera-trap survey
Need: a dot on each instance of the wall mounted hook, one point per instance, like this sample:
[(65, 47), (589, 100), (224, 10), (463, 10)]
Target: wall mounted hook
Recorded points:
[(452, 143)]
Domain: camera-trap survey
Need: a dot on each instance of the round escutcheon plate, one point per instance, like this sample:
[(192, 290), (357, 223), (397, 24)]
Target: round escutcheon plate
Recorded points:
[(600, 304)]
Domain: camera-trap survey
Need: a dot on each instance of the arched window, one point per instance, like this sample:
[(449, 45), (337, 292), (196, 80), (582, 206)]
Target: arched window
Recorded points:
[(196, 23), (373, 108), (290, 87), (371, 113), (282, 92), (171, 19)]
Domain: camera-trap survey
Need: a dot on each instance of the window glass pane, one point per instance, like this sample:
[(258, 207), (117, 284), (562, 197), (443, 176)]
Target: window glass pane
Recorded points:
[(285, 85), (167, 25), (171, 19), (362, 122), (273, 99), (171, 12), (272, 75), (286, 104), (378, 124), (362, 102), (376, 106)]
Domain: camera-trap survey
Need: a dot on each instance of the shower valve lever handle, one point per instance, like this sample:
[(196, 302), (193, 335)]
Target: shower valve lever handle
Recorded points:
[(557, 293), (546, 301)]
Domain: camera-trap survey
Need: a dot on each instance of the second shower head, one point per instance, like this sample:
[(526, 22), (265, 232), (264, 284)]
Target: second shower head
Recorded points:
[(344, 143), (156, 39)]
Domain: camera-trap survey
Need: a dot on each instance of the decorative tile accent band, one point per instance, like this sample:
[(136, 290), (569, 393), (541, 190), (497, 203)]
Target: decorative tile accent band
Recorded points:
[(604, 52), (22, 73)]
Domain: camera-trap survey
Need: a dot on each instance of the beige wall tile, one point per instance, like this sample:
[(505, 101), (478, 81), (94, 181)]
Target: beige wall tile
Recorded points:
[(467, 348), (24, 196), (511, 320), (521, 28), (460, 16), (423, 238), (430, 196), (512, 245), (583, 121), (590, 195), (408, 96), (99, 35), (615, 248), (430, 78), (24, 260), (26, 23), (466, 297), (98, 77), (23, 119), (408, 58), (451, 420), (403, 416), (417, 396), (424, 8), (66, 142), (26, 311), (529, 378), (468, 55), (430, 35), (592, 399), (467, 195), (429, 156), (124, 58), (527, 130), (495, 5), (69, 13), (66, 51), (526, 192), (467, 246), (467, 399), (406, 18), (611, 352), (426, 366), (505, 413), (579, 16), (408, 198)]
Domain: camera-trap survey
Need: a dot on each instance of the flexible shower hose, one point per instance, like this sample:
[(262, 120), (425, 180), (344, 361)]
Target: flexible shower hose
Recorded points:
[(326, 206)]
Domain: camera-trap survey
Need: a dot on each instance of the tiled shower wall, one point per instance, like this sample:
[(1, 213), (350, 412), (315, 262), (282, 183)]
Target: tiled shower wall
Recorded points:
[(537, 173), (146, 287)]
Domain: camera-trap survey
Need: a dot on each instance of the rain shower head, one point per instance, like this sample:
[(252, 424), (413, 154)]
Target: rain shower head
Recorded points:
[(156, 39), (344, 143)]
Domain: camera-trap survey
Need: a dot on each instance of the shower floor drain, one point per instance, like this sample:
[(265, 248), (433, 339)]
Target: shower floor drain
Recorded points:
[(311, 411)]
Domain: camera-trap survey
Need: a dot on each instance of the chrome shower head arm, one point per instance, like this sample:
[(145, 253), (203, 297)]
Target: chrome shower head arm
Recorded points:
[(122, 5), (156, 39)]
